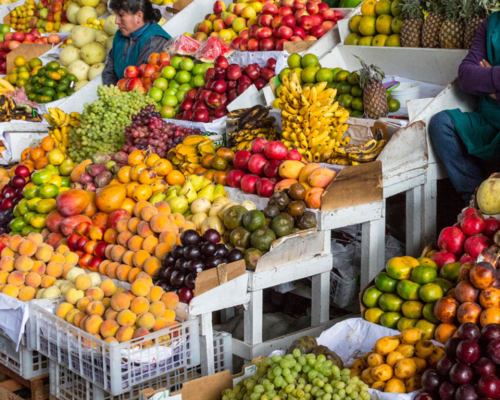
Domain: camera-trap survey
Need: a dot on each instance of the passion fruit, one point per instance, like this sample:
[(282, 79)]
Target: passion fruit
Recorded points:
[(280, 200), (307, 221), (297, 191), (271, 211), (296, 208)]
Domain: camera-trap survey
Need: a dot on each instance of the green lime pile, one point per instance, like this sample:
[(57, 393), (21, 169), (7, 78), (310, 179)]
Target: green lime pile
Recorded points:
[(405, 293), (297, 376), (103, 122), (51, 82)]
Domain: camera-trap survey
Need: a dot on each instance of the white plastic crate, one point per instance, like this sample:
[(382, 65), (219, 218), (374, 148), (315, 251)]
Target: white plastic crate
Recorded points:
[(26, 363), (115, 367), (342, 291), (66, 385), (223, 352)]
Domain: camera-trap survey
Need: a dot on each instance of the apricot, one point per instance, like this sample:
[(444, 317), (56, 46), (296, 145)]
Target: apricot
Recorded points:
[(35, 238), (23, 263), (139, 305), (122, 272), (157, 308), (43, 253), (139, 206), (95, 308), (10, 290), (128, 258), (132, 275), (171, 301), (145, 275), (63, 309), (155, 294), (71, 258), (124, 237), (77, 319), (140, 257), (159, 223), (120, 302), (70, 316), (144, 230), (14, 242), (177, 219), (27, 293), (83, 282), (4, 275), (122, 225), (95, 292), (141, 332), (161, 249), (163, 208), (55, 269), (150, 243), (129, 294), (168, 237), (39, 267), (109, 328), (160, 323), (47, 281), (110, 314), (133, 223), (126, 318), (124, 334), (62, 249), (152, 265), (148, 212), (7, 263), (169, 315), (59, 258), (6, 252), (33, 279), (106, 301), (83, 303), (140, 287), (135, 243), (108, 287), (27, 248), (145, 320), (93, 324), (117, 253), (189, 226), (111, 270), (16, 278), (107, 252)]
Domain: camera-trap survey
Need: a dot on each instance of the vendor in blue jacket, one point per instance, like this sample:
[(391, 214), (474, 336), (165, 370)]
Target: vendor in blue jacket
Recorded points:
[(138, 36)]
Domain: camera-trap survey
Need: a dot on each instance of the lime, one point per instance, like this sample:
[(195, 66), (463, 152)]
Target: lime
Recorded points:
[(398, 268), (27, 230), (383, 7), (156, 94), (380, 40), (383, 24), (430, 292), (199, 69), (373, 315), (168, 72), (390, 319), (428, 313), (444, 284), (345, 100), (412, 309), (161, 83), (169, 100), (16, 213), (367, 26), (183, 77), (167, 112), (284, 72), (309, 60), (390, 302), (308, 74), (423, 275), (393, 105), (343, 88), (371, 297), (408, 290), (353, 79), (49, 191), (65, 182), (356, 114), (176, 62), (17, 224), (181, 95), (342, 76), (357, 104), (405, 323), (324, 75), (294, 61), (385, 283), (396, 24), (187, 64)]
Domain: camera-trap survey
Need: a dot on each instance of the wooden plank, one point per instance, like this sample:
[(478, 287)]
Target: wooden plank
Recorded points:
[(346, 216), (214, 277), (298, 47), (11, 385)]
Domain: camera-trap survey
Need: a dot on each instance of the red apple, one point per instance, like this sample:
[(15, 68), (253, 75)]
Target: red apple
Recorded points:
[(276, 21), (235, 44), (264, 20), (312, 8), (310, 37), (280, 43), (19, 36), (327, 25), (317, 19), (72, 240), (328, 14), (84, 260), (232, 95), (317, 31), (244, 45), (221, 111), (14, 44), (200, 115), (94, 262), (259, 83), (122, 84), (270, 8), (221, 62), (54, 39), (133, 83), (233, 72), (323, 6), (299, 5), (265, 187)]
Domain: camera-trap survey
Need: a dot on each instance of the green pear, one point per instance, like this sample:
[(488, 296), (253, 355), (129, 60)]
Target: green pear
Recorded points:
[(188, 191), (66, 167), (207, 192), (178, 204), (187, 214), (219, 191), (156, 198), (171, 195), (197, 181), (206, 182)]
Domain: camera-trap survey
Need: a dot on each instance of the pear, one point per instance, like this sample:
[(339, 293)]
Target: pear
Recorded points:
[(220, 200), (157, 197), (171, 195), (188, 214), (188, 191), (205, 182), (178, 204), (200, 205), (249, 205), (197, 181), (207, 192), (219, 191)]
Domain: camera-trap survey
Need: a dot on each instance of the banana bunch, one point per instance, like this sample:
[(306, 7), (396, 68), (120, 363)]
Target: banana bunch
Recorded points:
[(354, 155), (61, 125), (186, 156), (252, 123), (7, 107), (312, 121), (5, 86)]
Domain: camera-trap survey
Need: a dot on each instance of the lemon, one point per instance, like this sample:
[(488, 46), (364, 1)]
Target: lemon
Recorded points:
[(354, 23)]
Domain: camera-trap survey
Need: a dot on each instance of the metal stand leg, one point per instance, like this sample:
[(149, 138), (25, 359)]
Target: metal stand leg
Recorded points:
[(413, 221), (320, 298), (253, 319), (369, 251), (207, 345)]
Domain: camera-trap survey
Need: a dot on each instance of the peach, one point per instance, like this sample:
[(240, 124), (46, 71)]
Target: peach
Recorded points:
[(159, 223), (35, 238), (55, 269), (155, 293), (117, 253), (124, 237), (43, 253), (177, 219), (122, 225), (16, 278), (133, 223), (126, 318), (81, 325), (152, 265), (145, 320), (157, 308), (71, 258), (83, 282), (14, 242), (70, 316), (47, 281), (4, 275), (10, 290), (110, 339), (66, 268), (102, 266), (140, 257), (83, 303), (168, 237), (59, 258), (39, 267), (129, 294), (108, 287), (33, 279), (120, 302), (27, 293), (62, 249), (111, 270), (169, 316), (63, 309), (95, 308), (95, 292), (140, 287), (128, 257), (139, 206), (144, 230), (171, 300), (106, 301), (110, 314), (132, 275), (108, 250), (145, 275), (73, 295), (135, 243), (122, 272), (93, 324), (109, 328), (139, 305), (78, 318), (141, 332), (7, 263), (321, 177), (163, 208), (6, 252), (148, 212), (150, 243), (124, 334), (23, 263), (160, 323)]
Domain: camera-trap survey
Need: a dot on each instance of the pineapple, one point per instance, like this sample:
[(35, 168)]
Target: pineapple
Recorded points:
[(474, 13), (374, 93), (452, 30), (413, 19), (432, 24)]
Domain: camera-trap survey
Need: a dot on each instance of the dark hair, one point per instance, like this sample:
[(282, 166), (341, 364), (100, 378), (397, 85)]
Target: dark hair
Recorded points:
[(151, 15)]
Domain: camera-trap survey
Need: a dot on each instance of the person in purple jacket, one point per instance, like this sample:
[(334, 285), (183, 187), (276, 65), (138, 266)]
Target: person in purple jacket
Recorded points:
[(469, 143)]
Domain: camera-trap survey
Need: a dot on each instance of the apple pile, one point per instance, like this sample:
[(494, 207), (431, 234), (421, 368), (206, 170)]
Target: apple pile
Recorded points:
[(224, 83), (257, 171)]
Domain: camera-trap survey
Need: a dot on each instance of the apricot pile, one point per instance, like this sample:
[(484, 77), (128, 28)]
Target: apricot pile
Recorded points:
[(396, 363), (139, 243), (30, 268), (111, 313)]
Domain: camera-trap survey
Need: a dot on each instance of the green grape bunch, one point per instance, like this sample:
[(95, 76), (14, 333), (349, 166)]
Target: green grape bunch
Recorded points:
[(103, 122), (297, 376)]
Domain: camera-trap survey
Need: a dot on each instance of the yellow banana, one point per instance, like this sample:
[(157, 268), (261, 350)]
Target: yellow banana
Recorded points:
[(313, 96), (320, 87)]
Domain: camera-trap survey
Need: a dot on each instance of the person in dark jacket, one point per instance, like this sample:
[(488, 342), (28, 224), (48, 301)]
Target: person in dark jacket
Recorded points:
[(138, 36), (469, 143)]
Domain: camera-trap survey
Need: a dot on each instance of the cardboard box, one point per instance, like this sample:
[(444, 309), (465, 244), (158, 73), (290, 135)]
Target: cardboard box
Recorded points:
[(209, 279), (28, 51)]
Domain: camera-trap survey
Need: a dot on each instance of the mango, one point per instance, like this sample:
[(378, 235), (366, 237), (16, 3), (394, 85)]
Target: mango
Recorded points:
[(290, 169)]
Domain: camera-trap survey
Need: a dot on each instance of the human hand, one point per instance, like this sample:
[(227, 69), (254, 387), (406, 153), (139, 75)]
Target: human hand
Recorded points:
[(485, 64)]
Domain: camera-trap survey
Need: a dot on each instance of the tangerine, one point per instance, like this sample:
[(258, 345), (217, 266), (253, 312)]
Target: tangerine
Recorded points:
[(36, 153), (174, 177), (48, 143)]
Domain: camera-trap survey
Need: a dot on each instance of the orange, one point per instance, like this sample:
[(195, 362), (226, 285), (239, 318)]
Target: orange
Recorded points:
[(368, 8), (41, 163), (383, 24), (367, 25), (26, 153), (36, 153), (48, 143), (175, 177)]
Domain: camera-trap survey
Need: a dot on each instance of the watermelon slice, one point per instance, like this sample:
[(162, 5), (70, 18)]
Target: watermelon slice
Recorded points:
[(213, 48), (184, 45)]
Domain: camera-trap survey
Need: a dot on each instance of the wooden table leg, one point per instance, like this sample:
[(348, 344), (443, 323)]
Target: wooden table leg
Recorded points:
[(207, 345)]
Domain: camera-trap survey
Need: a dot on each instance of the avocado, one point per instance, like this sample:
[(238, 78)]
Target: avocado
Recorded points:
[(251, 257), (262, 239), (233, 216), (281, 226), (253, 220), (240, 237)]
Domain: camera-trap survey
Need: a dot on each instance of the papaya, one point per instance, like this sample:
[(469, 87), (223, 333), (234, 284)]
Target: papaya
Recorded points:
[(79, 169), (111, 198)]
